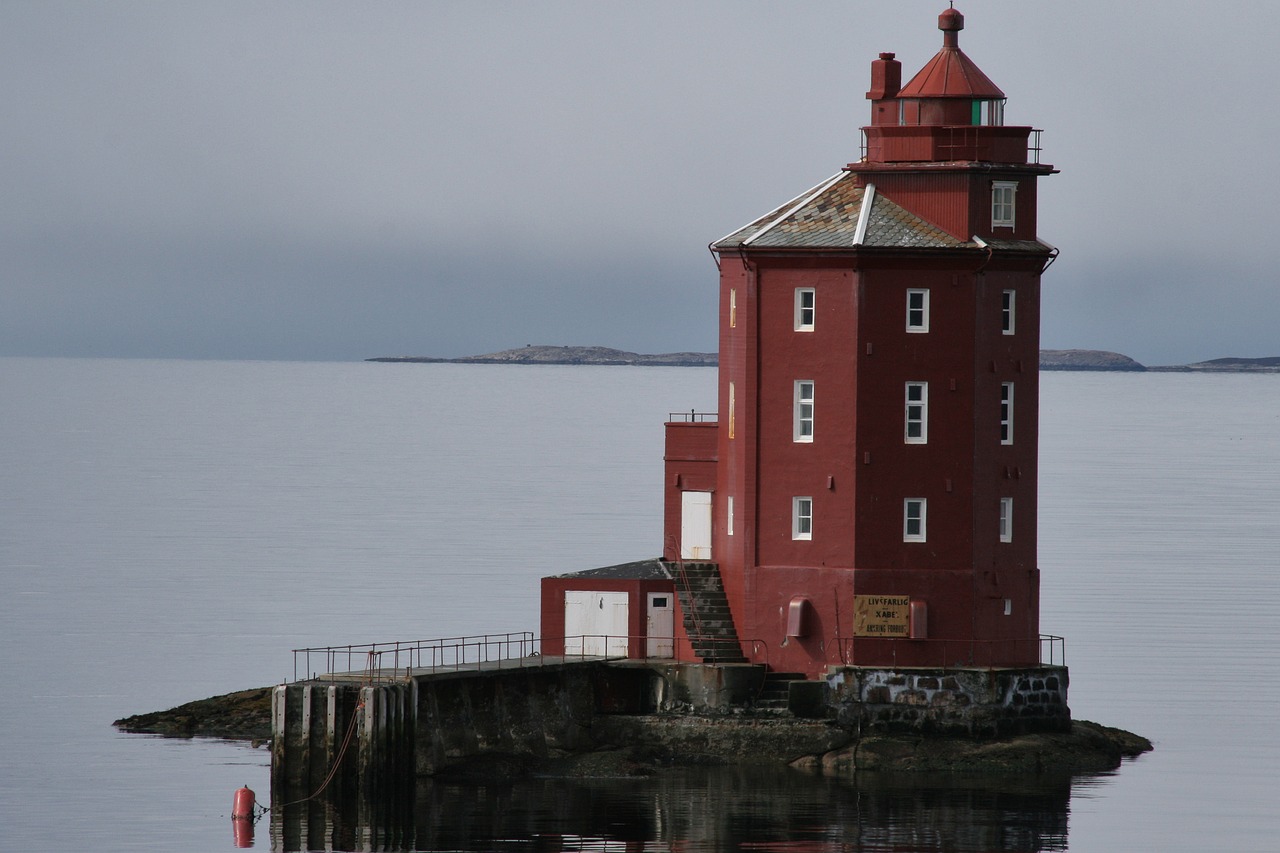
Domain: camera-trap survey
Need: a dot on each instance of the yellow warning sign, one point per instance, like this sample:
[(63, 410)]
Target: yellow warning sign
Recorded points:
[(882, 616)]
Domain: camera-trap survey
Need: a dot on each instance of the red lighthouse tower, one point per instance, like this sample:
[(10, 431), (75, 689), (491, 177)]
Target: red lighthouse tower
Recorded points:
[(868, 488)]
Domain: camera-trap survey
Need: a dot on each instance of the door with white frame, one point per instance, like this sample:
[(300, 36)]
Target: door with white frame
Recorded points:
[(695, 525), (661, 626)]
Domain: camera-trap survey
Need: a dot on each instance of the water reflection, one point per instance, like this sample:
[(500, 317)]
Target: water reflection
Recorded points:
[(755, 809)]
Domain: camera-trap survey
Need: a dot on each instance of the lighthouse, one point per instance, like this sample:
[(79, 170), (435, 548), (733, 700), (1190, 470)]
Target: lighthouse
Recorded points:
[(866, 491)]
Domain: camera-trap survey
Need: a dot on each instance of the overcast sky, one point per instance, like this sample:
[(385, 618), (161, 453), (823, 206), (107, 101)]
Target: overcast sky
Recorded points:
[(343, 180)]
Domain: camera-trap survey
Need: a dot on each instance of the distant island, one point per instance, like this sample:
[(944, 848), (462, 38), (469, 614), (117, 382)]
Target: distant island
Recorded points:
[(1050, 359), (1090, 359), (535, 354)]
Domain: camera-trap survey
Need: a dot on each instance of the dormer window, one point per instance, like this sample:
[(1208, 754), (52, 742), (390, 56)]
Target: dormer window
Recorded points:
[(1002, 203)]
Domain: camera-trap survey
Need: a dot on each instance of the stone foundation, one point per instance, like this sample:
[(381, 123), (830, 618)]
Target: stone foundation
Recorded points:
[(980, 703)]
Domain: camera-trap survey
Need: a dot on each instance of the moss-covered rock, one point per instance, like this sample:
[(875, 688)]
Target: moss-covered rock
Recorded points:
[(1086, 748), (243, 715)]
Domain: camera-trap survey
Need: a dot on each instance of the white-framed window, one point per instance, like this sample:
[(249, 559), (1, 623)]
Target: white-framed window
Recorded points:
[(804, 410), (805, 302), (1002, 206), (917, 310), (916, 416), (728, 516), (802, 518), (733, 308), (1006, 519), (1007, 311), (914, 511), (1006, 413)]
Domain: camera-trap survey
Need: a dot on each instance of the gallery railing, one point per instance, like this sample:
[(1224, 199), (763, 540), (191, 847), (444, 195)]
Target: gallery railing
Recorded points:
[(692, 417)]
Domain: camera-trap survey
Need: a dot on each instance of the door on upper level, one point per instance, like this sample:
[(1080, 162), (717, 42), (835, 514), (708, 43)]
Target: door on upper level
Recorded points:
[(695, 525)]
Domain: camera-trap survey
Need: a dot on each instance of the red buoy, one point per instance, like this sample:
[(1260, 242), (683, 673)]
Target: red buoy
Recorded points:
[(242, 807)]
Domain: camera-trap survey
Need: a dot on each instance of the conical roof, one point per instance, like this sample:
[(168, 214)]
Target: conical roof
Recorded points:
[(951, 74)]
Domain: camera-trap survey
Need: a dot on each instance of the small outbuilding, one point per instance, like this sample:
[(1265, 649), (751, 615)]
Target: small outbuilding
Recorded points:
[(624, 610)]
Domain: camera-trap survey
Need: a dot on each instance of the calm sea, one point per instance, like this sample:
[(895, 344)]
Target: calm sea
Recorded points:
[(170, 529)]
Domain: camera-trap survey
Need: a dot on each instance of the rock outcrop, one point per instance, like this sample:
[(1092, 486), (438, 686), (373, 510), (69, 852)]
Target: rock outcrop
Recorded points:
[(643, 744)]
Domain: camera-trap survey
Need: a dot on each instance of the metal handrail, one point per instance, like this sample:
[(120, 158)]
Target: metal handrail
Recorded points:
[(382, 662), (405, 653), (1050, 650), (521, 650), (1033, 142), (692, 417)]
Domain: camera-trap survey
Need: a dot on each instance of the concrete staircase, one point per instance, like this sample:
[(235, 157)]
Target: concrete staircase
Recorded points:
[(775, 693), (707, 619)]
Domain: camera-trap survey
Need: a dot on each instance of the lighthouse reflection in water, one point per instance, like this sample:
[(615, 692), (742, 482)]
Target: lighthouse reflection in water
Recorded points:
[(704, 809)]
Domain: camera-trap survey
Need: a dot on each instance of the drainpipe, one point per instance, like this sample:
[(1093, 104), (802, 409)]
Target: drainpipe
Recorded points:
[(1053, 254), (983, 244)]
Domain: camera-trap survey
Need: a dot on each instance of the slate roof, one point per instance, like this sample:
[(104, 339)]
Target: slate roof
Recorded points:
[(827, 217), (638, 570), (1016, 245)]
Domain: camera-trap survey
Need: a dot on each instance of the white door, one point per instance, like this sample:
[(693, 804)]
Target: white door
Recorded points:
[(695, 525), (660, 642), (595, 623)]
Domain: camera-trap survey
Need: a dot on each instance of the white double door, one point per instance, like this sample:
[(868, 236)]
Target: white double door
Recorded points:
[(595, 623)]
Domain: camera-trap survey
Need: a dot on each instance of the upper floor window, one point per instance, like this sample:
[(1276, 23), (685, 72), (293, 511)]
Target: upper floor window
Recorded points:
[(1006, 519), (803, 429), (917, 413), (1007, 305), (1002, 207), (804, 309), (917, 310), (1006, 413), (802, 518), (913, 520), (728, 516)]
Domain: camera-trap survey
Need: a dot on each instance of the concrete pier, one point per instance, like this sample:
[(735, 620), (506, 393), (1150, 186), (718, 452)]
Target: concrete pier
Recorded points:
[(425, 724), (366, 743)]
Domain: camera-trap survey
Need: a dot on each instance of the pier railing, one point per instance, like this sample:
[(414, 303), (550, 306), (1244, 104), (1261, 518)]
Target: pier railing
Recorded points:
[(382, 662), (395, 661)]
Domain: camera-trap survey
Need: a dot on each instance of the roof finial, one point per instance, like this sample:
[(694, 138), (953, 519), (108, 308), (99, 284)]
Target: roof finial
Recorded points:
[(951, 22)]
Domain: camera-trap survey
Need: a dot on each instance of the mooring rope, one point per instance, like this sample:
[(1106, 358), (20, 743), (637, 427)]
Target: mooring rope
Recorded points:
[(370, 671)]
